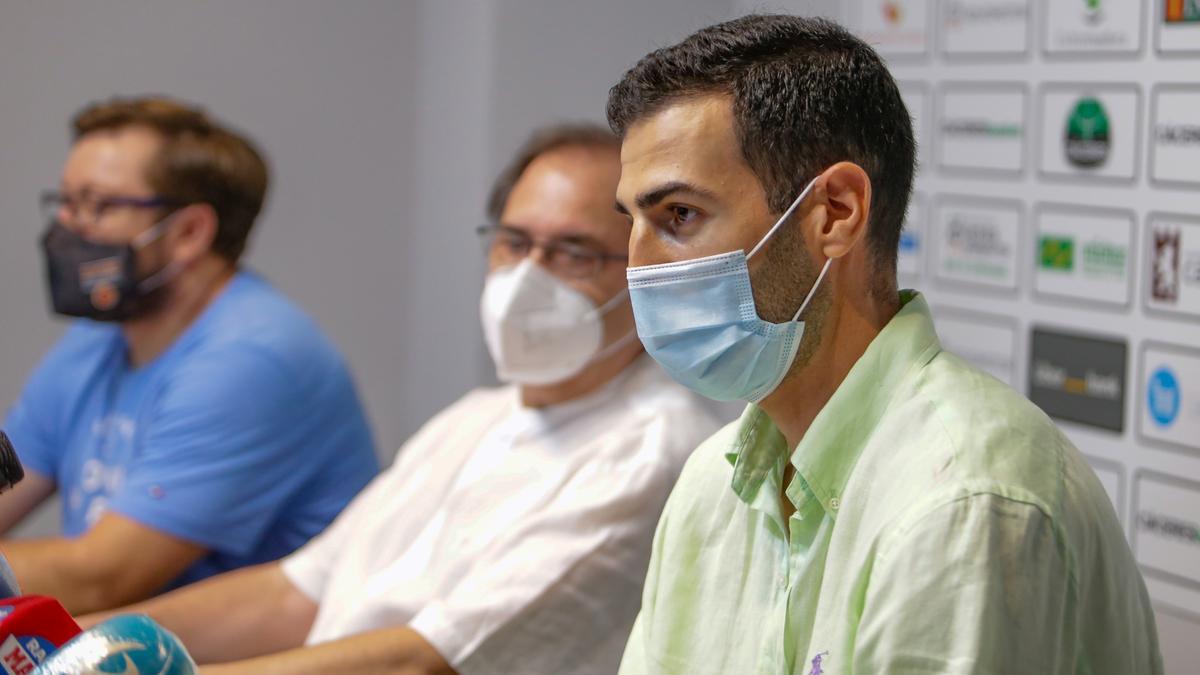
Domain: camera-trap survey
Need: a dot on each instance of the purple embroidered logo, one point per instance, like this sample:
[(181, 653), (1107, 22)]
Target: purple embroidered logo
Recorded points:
[(816, 664)]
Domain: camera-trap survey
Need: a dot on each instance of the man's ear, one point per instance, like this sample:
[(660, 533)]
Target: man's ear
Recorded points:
[(192, 233), (845, 193)]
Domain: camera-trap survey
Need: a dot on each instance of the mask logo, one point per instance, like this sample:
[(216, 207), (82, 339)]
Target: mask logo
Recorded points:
[(97, 271), (104, 296), (1087, 141)]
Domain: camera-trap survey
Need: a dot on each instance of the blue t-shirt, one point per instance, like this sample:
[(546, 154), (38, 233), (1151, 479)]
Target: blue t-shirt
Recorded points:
[(245, 436)]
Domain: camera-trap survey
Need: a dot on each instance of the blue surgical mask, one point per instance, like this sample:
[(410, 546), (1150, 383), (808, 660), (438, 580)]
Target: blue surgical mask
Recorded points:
[(697, 319)]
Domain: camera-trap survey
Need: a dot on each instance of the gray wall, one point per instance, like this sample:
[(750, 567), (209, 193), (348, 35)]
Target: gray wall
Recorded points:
[(327, 90)]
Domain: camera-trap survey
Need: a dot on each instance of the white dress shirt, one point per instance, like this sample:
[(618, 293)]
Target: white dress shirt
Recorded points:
[(515, 540)]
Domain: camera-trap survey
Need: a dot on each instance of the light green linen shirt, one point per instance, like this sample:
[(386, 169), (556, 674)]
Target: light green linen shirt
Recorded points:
[(943, 525)]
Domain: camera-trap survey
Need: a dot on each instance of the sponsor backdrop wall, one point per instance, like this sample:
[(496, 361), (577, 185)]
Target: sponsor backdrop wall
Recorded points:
[(1056, 232)]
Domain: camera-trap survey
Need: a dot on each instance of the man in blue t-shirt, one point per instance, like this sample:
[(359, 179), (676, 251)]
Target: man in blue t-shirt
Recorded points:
[(193, 420)]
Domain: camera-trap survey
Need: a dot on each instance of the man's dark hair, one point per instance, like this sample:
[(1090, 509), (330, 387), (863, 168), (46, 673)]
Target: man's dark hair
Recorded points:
[(806, 94), (200, 162), (578, 134)]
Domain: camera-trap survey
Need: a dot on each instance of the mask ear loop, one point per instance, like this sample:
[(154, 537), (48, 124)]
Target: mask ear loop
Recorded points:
[(775, 228), (813, 291), (612, 302), (153, 232), (615, 345), (154, 281), (782, 219), (170, 270)]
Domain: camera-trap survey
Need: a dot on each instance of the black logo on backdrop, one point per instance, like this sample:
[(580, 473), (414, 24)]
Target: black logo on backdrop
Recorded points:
[(1078, 378)]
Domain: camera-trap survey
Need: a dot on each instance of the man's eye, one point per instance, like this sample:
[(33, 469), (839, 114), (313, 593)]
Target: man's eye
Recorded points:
[(682, 215), (580, 255), (682, 220), (514, 243)]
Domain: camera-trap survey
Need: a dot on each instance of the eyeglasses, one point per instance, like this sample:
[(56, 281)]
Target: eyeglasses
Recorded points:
[(506, 245), (88, 208)]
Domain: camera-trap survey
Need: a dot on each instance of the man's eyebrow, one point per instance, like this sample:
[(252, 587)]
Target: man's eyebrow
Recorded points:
[(652, 197), (576, 238), (581, 239)]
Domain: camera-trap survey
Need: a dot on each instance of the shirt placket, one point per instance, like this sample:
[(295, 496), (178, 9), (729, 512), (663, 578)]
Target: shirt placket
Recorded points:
[(803, 527), (761, 458), (772, 652), (766, 503)]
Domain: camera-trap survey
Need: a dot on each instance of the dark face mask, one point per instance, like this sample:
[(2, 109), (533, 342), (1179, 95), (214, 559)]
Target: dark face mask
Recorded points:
[(99, 281)]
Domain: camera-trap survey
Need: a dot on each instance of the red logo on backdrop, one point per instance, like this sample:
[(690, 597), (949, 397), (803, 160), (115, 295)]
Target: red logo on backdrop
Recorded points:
[(1182, 11), (1166, 265), (892, 13)]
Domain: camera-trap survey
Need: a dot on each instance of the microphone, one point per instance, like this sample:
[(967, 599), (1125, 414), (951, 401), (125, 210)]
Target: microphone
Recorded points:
[(11, 471), (31, 628), (131, 643), (8, 580)]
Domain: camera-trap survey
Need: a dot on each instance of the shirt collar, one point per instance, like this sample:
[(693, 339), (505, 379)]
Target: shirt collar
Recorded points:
[(547, 418), (830, 448)]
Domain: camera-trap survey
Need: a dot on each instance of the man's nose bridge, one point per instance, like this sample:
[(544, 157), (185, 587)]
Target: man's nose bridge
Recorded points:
[(641, 236), (77, 215), (69, 217), (539, 254)]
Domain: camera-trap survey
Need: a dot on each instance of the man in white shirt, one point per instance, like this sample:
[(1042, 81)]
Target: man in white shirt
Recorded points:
[(512, 533)]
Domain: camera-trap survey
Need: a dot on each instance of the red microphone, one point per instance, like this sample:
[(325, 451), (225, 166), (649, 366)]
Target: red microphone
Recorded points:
[(31, 628)]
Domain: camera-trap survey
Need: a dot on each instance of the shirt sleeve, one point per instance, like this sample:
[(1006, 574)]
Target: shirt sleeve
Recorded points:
[(562, 587), (310, 566), (33, 419), (32, 437), (221, 456), (635, 660), (980, 585)]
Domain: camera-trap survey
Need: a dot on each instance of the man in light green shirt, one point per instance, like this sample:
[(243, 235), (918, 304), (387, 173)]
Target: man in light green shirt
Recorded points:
[(881, 506)]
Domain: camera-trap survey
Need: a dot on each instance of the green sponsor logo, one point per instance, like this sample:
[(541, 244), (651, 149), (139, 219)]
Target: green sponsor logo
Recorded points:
[(1102, 259), (1087, 140), (1057, 253), (980, 127)]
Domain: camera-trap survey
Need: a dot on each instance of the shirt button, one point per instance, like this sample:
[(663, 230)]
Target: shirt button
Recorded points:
[(834, 503)]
